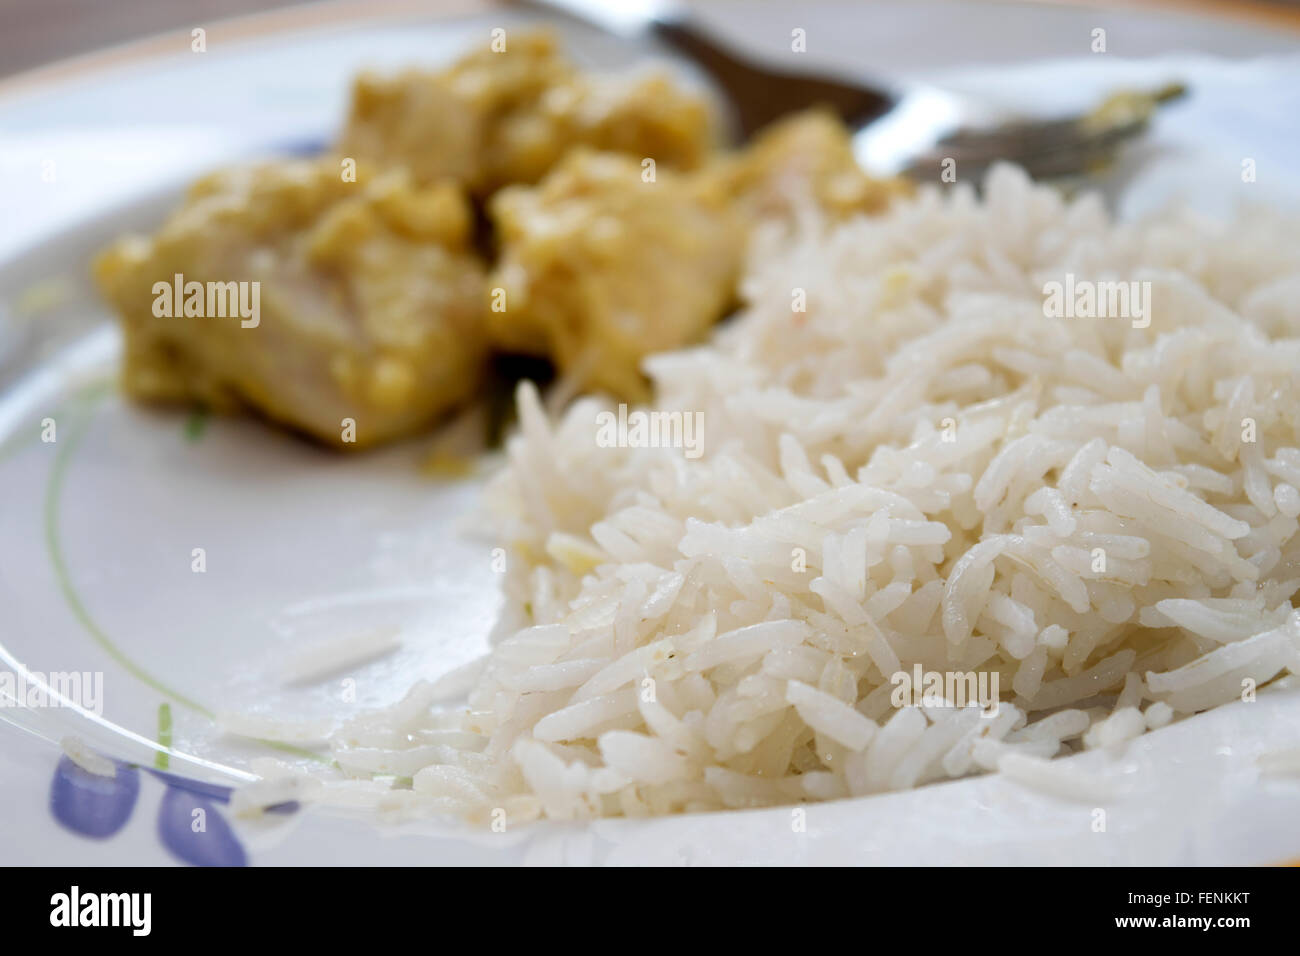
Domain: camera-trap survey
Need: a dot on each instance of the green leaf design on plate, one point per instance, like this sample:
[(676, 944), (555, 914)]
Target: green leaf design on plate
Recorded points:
[(71, 438), (83, 403), (161, 758)]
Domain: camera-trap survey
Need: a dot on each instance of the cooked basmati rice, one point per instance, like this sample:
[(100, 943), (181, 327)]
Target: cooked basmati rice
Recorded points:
[(313, 662), (921, 469)]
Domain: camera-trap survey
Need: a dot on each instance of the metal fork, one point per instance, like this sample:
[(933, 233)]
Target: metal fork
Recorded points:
[(912, 130)]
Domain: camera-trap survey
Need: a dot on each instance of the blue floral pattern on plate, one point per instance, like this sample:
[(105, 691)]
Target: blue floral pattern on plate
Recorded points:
[(190, 824)]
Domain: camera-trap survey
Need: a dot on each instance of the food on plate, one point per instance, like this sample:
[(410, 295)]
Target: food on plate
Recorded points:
[(494, 118), (619, 225), (317, 302), (966, 485), (805, 159), (600, 266), (940, 485)]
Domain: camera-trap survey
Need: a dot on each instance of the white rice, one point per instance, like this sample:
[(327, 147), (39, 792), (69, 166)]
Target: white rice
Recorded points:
[(922, 469), (314, 662), (91, 761)]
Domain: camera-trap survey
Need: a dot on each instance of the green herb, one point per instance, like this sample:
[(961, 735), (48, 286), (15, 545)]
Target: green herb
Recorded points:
[(196, 424)]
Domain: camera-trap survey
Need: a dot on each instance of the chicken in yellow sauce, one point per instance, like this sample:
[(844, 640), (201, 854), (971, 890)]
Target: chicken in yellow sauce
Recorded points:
[(600, 266), (496, 118), (804, 159), (619, 230), (370, 301)]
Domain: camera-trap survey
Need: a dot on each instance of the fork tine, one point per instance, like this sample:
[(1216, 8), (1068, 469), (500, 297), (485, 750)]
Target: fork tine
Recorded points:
[(997, 145), (1052, 148), (1079, 152), (1118, 111)]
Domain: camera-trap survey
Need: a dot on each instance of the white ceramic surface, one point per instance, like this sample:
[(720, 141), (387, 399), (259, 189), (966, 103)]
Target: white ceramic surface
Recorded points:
[(97, 528)]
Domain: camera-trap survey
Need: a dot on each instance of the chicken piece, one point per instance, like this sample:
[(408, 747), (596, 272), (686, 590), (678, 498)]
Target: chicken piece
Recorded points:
[(492, 119), (805, 158), (368, 303), (599, 268)]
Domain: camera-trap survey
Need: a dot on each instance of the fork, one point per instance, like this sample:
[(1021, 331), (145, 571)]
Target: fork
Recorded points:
[(914, 130)]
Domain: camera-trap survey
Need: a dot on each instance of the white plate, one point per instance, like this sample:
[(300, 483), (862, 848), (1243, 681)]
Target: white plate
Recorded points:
[(99, 526)]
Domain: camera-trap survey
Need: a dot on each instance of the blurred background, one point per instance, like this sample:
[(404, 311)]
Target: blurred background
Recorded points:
[(36, 32), (33, 32)]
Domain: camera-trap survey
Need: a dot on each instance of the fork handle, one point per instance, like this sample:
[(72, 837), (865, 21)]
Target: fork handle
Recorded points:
[(757, 95), (671, 24), (736, 77)]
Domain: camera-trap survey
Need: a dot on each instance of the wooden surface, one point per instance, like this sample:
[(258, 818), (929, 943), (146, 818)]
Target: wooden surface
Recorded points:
[(35, 33)]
